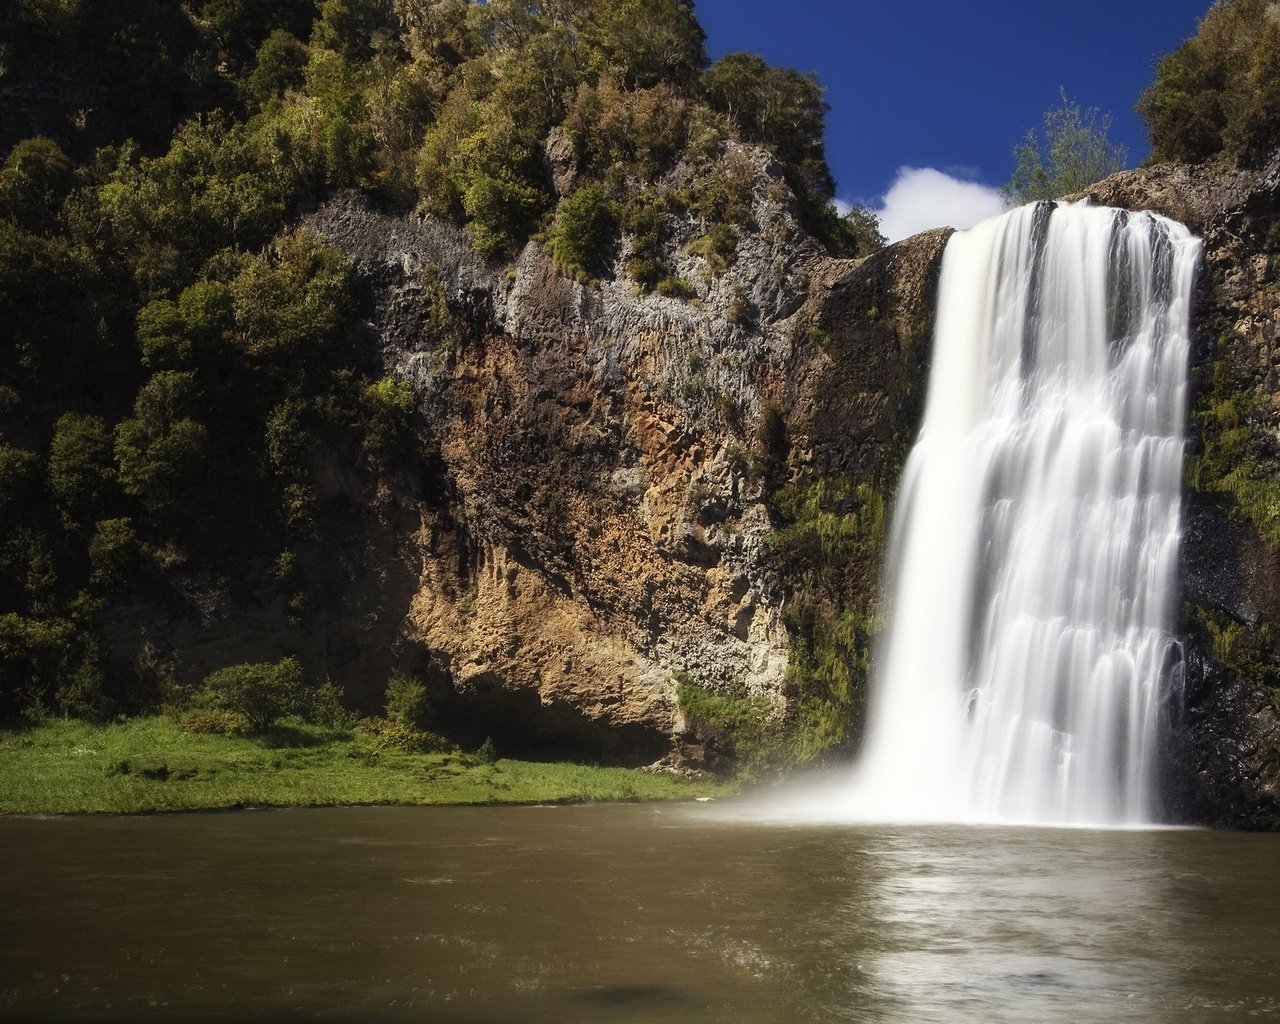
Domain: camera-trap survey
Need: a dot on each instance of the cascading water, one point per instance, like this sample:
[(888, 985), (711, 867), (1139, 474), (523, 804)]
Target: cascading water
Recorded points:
[(1034, 552)]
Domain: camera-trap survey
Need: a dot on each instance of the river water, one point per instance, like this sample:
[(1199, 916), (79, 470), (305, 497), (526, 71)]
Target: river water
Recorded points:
[(628, 913)]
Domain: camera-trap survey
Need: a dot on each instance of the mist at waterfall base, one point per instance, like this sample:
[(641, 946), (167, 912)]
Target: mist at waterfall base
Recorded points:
[(1027, 656)]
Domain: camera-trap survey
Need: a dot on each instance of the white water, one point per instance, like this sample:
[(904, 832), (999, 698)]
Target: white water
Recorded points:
[(1032, 567)]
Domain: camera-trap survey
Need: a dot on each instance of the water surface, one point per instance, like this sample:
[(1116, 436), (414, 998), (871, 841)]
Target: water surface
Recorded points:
[(628, 913)]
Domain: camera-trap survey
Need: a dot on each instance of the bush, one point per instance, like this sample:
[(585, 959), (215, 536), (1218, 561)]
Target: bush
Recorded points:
[(263, 692), (581, 243), (406, 701), (743, 723), (400, 736), (719, 247), (215, 721), (34, 181), (676, 288), (324, 706), (388, 406), (644, 219), (640, 133), (502, 210)]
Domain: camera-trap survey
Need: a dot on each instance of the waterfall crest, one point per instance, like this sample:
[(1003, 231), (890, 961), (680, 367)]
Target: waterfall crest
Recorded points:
[(1033, 559)]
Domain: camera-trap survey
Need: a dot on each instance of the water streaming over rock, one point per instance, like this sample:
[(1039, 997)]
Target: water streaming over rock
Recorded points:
[(1033, 561)]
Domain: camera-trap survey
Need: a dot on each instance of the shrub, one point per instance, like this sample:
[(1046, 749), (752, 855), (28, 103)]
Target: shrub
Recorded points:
[(719, 247), (644, 219), (400, 736), (324, 706), (502, 210), (742, 722), (676, 288), (581, 243), (388, 406), (640, 133), (487, 752), (263, 692), (215, 721), (406, 700), (728, 195)]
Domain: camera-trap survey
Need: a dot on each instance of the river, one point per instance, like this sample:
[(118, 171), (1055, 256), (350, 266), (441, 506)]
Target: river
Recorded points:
[(628, 913)]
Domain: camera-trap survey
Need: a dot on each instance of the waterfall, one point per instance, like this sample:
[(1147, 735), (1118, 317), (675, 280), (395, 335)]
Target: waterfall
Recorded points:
[(1033, 558)]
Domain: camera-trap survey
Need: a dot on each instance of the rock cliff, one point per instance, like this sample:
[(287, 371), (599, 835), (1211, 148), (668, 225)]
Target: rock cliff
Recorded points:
[(601, 516), (608, 512)]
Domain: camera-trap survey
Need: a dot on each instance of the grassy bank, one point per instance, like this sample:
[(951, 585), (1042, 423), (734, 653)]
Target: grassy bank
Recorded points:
[(151, 764)]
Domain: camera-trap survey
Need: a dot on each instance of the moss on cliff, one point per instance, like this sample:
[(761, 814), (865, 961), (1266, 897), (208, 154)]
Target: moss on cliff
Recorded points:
[(831, 547), (1234, 460)]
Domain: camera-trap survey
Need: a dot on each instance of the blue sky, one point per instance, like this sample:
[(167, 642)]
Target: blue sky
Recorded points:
[(949, 88)]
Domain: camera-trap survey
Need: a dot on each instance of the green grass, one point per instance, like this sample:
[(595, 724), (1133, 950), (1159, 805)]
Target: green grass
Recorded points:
[(151, 764)]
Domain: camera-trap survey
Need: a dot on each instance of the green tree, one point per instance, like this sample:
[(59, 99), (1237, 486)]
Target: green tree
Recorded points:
[(35, 179), (406, 701), (586, 226), (34, 660), (645, 42), (350, 27), (262, 692), (291, 303), (857, 232), (160, 451), (80, 467), (387, 405), (281, 61), (1071, 153)]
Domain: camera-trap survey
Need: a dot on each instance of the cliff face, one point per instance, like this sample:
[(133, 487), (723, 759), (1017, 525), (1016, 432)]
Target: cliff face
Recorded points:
[(600, 518), (1224, 765), (607, 512)]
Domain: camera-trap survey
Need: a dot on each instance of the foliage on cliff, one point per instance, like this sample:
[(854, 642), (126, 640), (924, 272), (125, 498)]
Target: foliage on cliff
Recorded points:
[(177, 351), (1219, 92)]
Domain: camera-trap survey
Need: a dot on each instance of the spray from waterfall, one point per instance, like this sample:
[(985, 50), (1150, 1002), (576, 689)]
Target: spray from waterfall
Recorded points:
[(1033, 560)]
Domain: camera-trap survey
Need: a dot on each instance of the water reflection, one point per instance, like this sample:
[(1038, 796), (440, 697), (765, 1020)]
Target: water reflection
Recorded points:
[(1016, 925), (629, 914)]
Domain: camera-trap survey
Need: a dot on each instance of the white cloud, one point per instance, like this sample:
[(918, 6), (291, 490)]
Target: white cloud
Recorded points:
[(923, 197), (843, 206)]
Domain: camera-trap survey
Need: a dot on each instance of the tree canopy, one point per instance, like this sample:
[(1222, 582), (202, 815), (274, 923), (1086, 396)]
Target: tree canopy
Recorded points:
[(1219, 92)]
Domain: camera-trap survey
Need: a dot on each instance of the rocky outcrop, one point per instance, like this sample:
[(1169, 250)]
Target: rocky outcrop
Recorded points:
[(600, 521)]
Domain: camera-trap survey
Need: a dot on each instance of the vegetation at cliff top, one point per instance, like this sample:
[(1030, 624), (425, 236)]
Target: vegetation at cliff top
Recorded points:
[(153, 764), (1219, 92), (1071, 152)]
